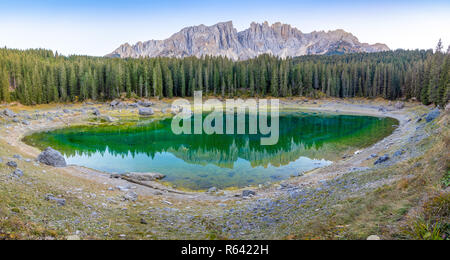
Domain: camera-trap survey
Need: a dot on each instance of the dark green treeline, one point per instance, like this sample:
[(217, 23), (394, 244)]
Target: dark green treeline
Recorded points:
[(40, 76)]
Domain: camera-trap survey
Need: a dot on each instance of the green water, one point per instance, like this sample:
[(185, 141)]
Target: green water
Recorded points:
[(307, 141)]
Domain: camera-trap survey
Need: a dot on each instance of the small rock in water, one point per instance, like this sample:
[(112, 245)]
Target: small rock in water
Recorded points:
[(17, 156), (248, 193), (382, 159), (12, 164), (52, 157)]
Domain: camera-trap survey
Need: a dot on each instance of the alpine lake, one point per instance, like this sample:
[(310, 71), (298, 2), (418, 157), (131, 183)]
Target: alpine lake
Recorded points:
[(307, 140)]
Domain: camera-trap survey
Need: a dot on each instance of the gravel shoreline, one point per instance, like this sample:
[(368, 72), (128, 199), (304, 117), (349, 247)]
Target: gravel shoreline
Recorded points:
[(64, 119)]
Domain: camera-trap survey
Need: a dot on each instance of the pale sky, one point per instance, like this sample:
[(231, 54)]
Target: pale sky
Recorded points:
[(98, 27)]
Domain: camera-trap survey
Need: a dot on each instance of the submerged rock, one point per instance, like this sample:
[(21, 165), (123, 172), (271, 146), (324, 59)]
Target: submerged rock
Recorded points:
[(435, 113), (52, 157), (144, 111)]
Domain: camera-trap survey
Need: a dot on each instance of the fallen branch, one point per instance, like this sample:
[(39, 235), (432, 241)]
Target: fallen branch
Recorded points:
[(149, 186)]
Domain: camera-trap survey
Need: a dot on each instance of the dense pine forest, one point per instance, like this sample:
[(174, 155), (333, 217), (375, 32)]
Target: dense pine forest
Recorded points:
[(41, 76)]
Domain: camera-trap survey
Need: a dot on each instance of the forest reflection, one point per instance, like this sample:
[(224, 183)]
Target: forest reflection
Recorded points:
[(310, 135)]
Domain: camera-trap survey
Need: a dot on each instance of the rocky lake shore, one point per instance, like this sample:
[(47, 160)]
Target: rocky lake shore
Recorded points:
[(338, 202)]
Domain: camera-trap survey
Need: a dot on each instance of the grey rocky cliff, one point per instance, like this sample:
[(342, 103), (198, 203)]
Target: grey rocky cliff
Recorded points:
[(223, 39)]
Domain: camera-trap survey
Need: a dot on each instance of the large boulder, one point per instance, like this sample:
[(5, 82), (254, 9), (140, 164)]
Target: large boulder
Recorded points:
[(146, 111), (52, 157), (447, 107), (435, 113)]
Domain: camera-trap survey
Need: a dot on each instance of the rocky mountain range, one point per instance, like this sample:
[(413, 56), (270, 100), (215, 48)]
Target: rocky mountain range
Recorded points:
[(223, 39)]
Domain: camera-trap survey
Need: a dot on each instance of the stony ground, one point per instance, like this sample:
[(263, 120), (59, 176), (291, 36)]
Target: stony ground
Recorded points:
[(351, 199)]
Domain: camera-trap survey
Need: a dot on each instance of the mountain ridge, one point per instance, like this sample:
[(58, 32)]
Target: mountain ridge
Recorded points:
[(222, 39)]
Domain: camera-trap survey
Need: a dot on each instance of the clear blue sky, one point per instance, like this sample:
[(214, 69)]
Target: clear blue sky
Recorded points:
[(98, 27)]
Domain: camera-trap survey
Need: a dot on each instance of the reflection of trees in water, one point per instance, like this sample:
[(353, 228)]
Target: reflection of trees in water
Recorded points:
[(313, 136)]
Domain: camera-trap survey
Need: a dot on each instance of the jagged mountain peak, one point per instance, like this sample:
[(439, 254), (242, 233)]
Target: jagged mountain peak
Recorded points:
[(222, 39)]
